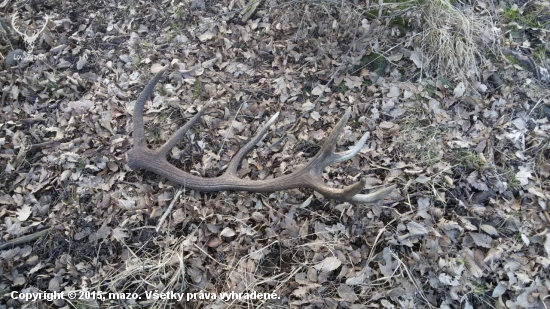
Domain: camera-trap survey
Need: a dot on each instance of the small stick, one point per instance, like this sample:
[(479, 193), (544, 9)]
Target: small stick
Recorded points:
[(44, 144), (169, 210), (24, 239)]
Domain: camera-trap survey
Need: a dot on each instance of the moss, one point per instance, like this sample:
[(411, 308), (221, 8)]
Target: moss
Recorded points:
[(446, 83), (540, 54), (400, 24), (511, 59), (366, 82), (80, 165), (371, 14), (467, 158), (342, 88), (374, 62), (197, 89), (178, 12), (529, 19)]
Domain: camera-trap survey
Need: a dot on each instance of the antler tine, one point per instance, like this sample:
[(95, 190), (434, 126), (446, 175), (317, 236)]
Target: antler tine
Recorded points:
[(308, 176), (176, 137), (234, 163), (327, 156), (139, 133), (371, 197)]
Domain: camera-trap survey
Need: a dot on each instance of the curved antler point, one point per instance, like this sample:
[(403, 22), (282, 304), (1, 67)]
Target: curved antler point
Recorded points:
[(372, 197)]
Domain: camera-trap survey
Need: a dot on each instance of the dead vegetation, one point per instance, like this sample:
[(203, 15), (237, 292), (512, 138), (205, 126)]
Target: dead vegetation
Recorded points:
[(461, 130)]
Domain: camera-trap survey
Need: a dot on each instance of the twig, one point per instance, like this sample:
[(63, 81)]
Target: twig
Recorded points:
[(24, 239), (212, 258), (31, 120), (10, 39), (5, 27), (532, 109), (230, 128), (169, 209), (44, 144)]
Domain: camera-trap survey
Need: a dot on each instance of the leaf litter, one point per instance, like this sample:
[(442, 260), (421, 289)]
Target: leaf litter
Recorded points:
[(467, 226)]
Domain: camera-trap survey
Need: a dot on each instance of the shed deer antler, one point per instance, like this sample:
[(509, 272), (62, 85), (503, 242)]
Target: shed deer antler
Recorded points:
[(308, 176)]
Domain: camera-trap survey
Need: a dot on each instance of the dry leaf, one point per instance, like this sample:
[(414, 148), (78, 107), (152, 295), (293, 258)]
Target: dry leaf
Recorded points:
[(489, 229), (524, 175), (500, 289), (206, 36), (459, 90), (156, 67), (476, 183), (416, 57), (24, 213), (228, 232), (214, 242), (482, 240), (347, 293), (328, 264), (317, 90), (416, 229), (82, 62), (449, 280), (119, 234)]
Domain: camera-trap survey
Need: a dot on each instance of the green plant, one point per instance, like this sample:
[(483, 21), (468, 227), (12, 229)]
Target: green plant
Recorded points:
[(145, 43), (400, 24), (81, 304), (366, 82), (197, 89), (514, 182), (342, 88), (430, 89), (50, 86), (540, 54), (467, 158), (80, 165), (162, 90), (156, 130), (530, 19), (479, 289), (446, 83), (511, 13), (178, 12), (374, 62), (511, 179)]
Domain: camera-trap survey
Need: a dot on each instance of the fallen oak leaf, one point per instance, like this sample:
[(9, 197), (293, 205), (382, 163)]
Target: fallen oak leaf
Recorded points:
[(523, 175), (24, 213), (328, 264)]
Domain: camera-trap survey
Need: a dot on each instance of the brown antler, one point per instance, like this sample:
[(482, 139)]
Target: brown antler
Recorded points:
[(308, 176)]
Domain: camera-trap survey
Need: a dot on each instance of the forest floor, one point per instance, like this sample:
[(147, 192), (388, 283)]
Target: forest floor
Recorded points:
[(453, 96)]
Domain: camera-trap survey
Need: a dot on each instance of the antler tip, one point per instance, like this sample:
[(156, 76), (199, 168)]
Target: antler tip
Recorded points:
[(270, 121), (372, 197), (355, 188), (348, 112), (208, 104)]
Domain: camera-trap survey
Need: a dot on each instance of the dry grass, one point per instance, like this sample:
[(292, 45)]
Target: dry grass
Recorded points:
[(162, 271), (452, 40)]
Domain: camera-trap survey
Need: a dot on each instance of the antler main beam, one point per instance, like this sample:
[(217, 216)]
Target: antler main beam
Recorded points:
[(308, 176)]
